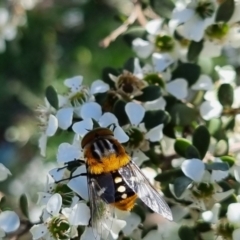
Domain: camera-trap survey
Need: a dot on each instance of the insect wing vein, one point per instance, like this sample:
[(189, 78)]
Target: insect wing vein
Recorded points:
[(137, 181), (102, 213)]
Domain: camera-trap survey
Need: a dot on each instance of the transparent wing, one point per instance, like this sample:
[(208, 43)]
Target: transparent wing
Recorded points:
[(137, 181), (102, 213)]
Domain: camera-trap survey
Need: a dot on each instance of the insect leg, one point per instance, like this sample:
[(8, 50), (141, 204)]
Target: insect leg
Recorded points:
[(74, 163), (71, 177)]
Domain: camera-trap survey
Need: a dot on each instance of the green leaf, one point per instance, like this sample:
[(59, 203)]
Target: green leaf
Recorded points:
[(222, 166), (150, 93), (23, 203), (228, 159), (129, 65), (181, 145), (225, 11), (140, 212), (189, 71), (201, 140), (169, 175), (154, 118), (52, 97), (119, 112), (186, 233), (182, 115), (230, 123), (192, 152), (194, 50), (105, 75), (162, 7), (221, 148), (225, 95), (180, 184), (169, 131), (154, 79), (214, 125)]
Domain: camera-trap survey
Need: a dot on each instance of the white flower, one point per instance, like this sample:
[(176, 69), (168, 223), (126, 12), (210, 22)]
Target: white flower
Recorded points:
[(94, 111), (233, 213), (4, 172), (136, 146), (195, 17), (74, 101), (204, 191), (48, 125), (9, 222), (53, 219)]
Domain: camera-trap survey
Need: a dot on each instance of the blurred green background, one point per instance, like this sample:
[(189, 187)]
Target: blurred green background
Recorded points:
[(55, 40)]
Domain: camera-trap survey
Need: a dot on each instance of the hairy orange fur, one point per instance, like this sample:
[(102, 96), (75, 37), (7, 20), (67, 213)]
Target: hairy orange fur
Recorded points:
[(110, 163), (126, 204)]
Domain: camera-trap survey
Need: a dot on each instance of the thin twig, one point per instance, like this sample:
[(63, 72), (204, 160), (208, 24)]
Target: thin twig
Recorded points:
[(136, 14)]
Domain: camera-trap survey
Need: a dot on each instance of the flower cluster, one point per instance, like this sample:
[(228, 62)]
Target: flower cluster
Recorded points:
[(174, 109)]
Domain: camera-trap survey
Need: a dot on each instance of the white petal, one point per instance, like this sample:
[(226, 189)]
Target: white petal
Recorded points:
[(139, 157), (182, 14), (4, 172), (161, 61), (142, 48), (236, 172), (120, 135), (227, 73), (67, 152), (135, 112), (80, 215), (194, 28), (116, 225), (74, 83), (43, 198), (204, 82), (99, 86), (158, 104), (155, 134), (91, 110), (209, 110), (64, 117), (218, 175), (193, 169), (79, 184), (42, 144), (220, 196), (154, 26), (233, 213), (38, 231), (107, 119), (89, 234), (54, 204), (9, 221), (178, 88), (211, 49), (57, 174), (133, 220), (236, 234), (83, 127), (52, 125), (137, 71)]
